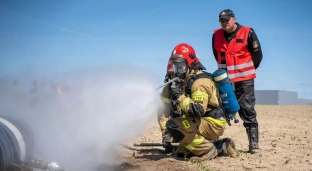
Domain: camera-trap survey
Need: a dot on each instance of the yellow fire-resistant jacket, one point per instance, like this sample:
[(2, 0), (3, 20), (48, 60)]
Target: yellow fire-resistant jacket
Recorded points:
[(203, 92)]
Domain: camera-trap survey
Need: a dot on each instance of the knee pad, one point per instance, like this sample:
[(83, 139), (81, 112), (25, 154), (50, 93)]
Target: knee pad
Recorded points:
[(173, 129)]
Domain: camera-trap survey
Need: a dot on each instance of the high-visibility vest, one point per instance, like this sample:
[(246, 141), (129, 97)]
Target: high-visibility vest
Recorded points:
[(235, 57)]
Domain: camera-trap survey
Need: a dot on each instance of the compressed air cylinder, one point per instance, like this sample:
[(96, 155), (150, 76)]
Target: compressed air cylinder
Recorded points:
[(226, 92)]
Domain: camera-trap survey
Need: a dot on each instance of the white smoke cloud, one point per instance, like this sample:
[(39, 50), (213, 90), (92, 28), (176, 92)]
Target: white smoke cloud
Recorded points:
[(77, 128)]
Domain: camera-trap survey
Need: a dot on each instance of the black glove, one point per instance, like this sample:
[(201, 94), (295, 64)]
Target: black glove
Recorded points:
[(166, 139), (175, 93)]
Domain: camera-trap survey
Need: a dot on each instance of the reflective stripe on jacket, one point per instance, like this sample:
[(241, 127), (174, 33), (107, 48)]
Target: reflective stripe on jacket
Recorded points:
[(235, 56)]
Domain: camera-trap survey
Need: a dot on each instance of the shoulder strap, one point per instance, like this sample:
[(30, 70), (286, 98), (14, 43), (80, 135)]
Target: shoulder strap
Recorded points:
[(193, 78), (205, 74)]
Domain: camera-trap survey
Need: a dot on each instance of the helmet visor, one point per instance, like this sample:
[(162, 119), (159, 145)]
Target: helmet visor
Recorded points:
[(177, 68)]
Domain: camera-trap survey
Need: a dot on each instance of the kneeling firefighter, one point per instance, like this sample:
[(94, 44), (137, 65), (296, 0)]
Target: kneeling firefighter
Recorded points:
[(193, 117)]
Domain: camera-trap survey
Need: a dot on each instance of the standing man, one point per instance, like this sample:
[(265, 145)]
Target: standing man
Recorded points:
[(237, 49)]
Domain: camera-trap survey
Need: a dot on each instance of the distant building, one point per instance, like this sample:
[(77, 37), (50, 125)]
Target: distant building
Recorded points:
[(279, 97)]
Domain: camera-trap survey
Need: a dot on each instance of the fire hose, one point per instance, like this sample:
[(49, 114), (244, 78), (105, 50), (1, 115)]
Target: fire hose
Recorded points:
[(16, 148)]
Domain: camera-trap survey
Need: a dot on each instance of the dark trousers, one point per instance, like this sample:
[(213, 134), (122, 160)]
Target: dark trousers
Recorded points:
[(245, 93)]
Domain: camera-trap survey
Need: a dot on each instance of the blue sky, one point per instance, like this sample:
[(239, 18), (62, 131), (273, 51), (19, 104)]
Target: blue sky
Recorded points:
[(42, 37)]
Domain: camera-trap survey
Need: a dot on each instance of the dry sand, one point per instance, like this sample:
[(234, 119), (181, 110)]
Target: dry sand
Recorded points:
[(285, 140)]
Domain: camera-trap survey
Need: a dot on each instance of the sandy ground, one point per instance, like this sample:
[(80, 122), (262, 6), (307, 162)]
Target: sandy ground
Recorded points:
[(285, 140)]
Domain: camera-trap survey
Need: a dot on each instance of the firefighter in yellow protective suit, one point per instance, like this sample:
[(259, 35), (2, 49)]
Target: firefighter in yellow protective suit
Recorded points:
[(191, 115)]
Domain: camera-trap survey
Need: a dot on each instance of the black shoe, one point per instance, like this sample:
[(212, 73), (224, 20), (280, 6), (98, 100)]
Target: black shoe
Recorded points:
[(253, 138)]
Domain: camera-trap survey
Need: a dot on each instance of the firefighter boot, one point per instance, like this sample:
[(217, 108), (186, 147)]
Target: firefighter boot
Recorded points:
[(208, 155), (226, 147), (253, 138)]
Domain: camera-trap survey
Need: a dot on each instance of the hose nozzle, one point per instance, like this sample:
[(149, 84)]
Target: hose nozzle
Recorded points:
[(48, 166), (54, 167), (175, 79)]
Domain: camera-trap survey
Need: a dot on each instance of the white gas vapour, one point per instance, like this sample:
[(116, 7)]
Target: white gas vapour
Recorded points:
[(76, 127)]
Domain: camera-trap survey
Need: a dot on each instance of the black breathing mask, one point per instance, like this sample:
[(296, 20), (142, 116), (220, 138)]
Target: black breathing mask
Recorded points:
[(177, 67)]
